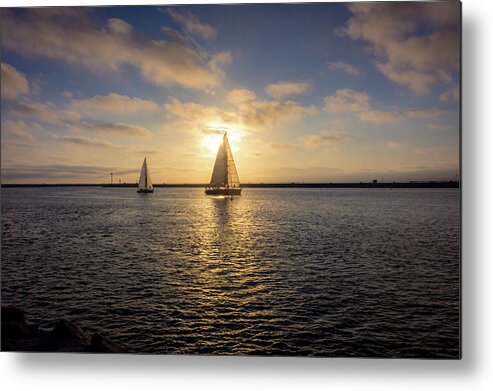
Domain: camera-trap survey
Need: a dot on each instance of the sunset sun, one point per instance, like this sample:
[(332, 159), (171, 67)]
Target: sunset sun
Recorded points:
[(211, 142)]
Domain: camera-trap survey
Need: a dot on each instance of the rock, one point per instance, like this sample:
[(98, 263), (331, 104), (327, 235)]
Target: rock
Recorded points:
[(66, 336), (100, 344), (14, 324), (10, 314)]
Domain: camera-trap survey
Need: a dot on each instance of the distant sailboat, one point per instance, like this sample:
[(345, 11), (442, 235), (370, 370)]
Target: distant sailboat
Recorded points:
[(224, 180), (145, 183)]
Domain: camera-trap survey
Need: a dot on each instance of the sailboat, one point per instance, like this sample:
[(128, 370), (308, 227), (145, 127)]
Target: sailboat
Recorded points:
[(145, 183), (224, 180)]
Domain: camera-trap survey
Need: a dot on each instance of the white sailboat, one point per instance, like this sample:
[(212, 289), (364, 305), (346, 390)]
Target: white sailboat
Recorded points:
[(145, 183), (224, 180)]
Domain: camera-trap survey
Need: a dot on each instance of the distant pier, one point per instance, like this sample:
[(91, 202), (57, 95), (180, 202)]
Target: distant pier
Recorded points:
[(356, 185)]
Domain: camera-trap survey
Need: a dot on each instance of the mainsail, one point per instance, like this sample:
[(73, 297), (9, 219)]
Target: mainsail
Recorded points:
[(145, 182), (224, 173)]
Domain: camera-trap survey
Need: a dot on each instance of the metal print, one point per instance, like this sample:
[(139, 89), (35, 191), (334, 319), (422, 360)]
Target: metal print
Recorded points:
[(270, 179)]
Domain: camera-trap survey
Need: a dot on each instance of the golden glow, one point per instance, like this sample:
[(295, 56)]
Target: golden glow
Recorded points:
[(212, 142)]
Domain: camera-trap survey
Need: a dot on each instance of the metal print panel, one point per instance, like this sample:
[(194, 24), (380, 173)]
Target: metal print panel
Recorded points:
[(271, 179)]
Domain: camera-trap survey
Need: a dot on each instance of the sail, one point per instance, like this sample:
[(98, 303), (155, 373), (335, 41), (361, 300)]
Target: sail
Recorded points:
[(232, 177), (224, 173), (145, 182), (220, 171)]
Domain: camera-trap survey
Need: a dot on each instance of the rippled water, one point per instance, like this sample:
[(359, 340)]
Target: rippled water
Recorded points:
[(332, 272)]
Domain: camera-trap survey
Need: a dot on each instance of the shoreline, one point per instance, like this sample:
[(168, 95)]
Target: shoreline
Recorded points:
[(356, 185)]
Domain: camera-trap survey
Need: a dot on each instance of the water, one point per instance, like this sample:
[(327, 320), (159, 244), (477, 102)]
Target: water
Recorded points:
[(330, 272)]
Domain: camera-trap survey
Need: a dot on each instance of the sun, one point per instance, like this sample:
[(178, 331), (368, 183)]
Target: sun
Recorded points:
[(212, 142)]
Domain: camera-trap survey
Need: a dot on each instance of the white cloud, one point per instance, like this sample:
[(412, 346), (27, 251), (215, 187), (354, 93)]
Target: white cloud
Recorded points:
[(381, 116), (241, 95), (345, 100), (394, 145), (119, 26), (397, 116), (26, 109), (249, 113), (117, 129), (72, 36), (281, 147), (284, 89), (114, 103), (450, 95), (416, 61), (14, 83), (267, 114), (86, 142), (17, 131), (326, 138), (344, 67), (191, 25)]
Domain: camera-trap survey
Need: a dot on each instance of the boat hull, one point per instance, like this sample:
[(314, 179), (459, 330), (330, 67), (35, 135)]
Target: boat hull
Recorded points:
[(145, 191), (223, 191)]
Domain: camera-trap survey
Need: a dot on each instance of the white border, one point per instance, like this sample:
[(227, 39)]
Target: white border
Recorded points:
[(473, 372)]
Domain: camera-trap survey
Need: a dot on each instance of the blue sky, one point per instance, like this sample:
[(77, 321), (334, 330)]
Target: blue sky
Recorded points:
[(314, 92)]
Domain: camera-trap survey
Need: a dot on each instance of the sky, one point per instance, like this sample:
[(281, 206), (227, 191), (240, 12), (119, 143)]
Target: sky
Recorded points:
[(334, 92)]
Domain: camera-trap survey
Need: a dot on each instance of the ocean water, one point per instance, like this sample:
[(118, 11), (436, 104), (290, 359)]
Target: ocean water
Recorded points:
[(324, 272)]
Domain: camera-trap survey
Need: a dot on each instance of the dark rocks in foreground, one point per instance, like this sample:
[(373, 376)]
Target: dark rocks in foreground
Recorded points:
[(66, 336)]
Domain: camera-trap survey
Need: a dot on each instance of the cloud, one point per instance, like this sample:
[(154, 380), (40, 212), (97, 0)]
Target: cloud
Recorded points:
[(16, 131), (119, 26), (191, 25), (424, 114), (72, 36), (14, 83), (397, 116), (114, 103), (86, 142), (59, 172), (417, 82), (345, 100), (27, 109), (267, 114), (117, 129), (438, 172), (381, 116), (326, 138), (47, 113), (145, 151), (284, 89), (249, 114), (218, 62), (416, 44), (67, 94), (281, 147), (215, 130), (433, 126), (195, 113), (344, 67), (239, 96), (394, 145), (450, 95)]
